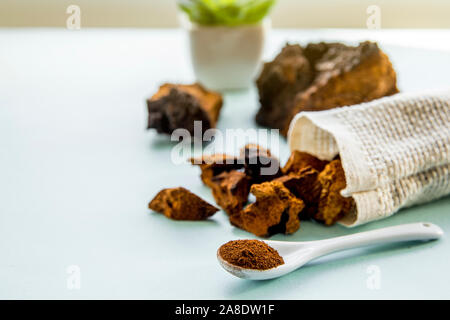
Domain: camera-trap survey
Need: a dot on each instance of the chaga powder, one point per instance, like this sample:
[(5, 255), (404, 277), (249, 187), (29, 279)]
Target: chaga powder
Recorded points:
[(250, 254)]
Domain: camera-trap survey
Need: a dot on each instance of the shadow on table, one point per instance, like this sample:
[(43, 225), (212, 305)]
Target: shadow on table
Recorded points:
[(182, 223), (161, 142), (164, 142)]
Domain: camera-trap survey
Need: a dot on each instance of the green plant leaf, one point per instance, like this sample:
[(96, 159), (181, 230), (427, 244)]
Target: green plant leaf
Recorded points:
[(226, 12)]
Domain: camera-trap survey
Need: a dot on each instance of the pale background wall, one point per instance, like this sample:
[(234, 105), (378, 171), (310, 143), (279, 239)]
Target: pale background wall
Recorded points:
[(287, 13)]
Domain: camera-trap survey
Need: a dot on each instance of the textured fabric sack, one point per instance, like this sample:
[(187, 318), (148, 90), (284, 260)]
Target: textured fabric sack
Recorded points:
[(395, 151)]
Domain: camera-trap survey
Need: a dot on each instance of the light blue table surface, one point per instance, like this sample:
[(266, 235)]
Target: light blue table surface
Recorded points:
[(77, 169)]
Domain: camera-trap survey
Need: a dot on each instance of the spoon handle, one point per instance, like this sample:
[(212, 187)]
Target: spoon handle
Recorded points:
[(404, 232)]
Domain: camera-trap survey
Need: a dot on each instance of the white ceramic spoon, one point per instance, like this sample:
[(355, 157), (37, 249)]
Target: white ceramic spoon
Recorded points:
[(296, 254)]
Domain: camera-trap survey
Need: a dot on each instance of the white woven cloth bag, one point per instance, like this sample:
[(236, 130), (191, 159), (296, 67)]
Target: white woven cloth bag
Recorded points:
[(395, 151)]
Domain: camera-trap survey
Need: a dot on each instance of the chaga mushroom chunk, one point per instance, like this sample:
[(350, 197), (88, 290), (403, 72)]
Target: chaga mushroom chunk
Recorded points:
[(306, 186), (279, 82), (230, 190), (181, 204), (300, 160), (321, 76), (259, 164), (346, 76), (178, 106), (332, 206), (213, 165), (276, 210)]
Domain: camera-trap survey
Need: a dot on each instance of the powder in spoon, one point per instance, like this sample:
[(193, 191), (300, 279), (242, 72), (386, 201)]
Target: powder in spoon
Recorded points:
[(250, 254)]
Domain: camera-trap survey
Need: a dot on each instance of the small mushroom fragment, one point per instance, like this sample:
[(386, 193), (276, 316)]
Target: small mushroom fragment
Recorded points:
[(213, 165), (332, 206), (276, 210), (259, 164), (306, 186), (230, 190), (181, 204), (299, 160)]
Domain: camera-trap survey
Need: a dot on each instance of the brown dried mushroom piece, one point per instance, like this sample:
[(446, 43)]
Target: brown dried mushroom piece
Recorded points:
[(276, 210), (300, 160), (177, 106), (332, 206), (347, 75), (322, 76), (259, 163), (306, 186), (279, 82), (213, 165), (230, 190), (253, 149), (181, 204)]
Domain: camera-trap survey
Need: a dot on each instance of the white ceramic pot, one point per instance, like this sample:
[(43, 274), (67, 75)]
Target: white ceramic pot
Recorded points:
[(226, 57)]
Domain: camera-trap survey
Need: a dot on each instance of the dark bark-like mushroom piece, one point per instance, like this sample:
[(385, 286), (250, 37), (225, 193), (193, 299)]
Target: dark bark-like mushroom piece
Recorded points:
[(213, 165), (321, 76), (179, 106), (230, 190), (260, 165), (278, 84), (304, 185)]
